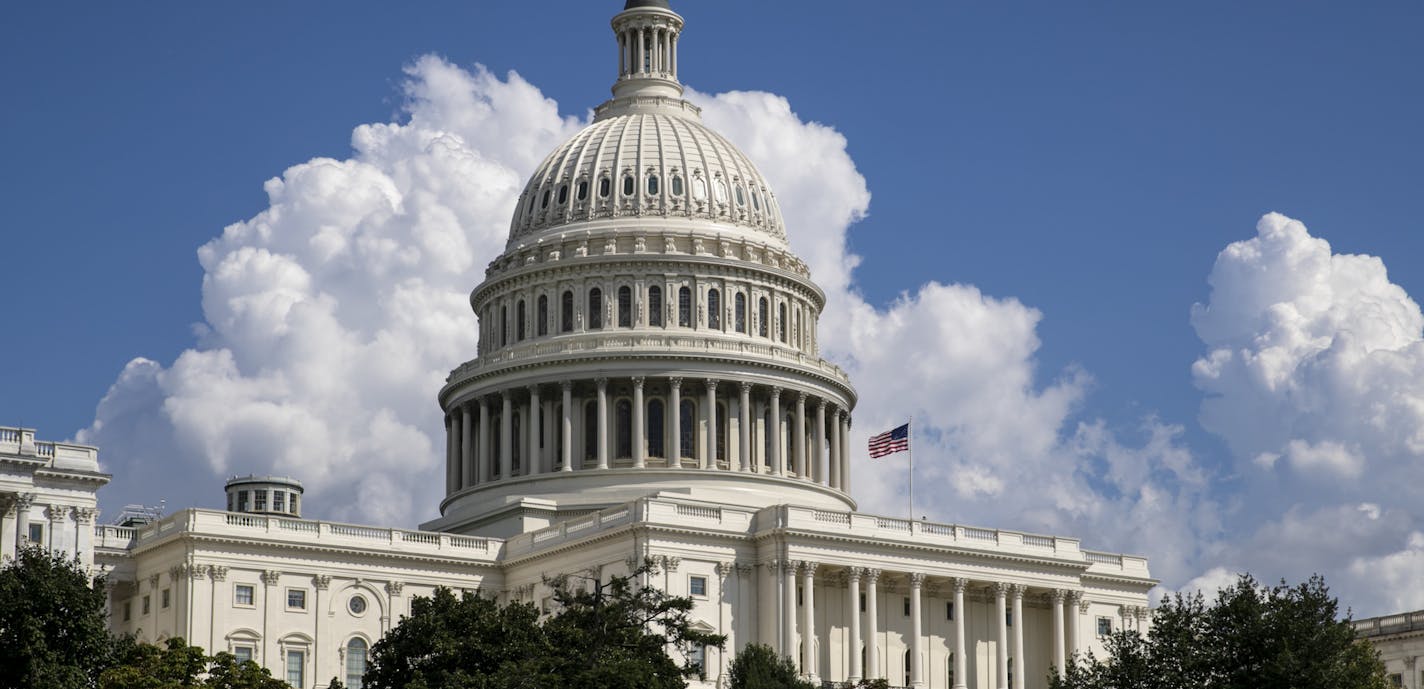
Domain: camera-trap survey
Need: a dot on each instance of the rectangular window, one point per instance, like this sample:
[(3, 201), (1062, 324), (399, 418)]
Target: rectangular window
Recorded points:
[(907, 606), (242, 653), (949, 611), (296, 661), (697, 586), (147, 604), (242, 594), (279, 501), (1396, 680), (799, 591), (1104, 626), (296, 599), (259, 501), (242, 501), (862, 602), (128, 610), (1008, 618), (165, 598), (37, 533)]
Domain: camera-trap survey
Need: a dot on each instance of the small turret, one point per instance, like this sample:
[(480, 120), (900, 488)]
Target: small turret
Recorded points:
[(275, 495)]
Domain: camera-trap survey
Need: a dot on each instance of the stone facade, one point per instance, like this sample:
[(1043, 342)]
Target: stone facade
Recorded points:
[(1400, 641)]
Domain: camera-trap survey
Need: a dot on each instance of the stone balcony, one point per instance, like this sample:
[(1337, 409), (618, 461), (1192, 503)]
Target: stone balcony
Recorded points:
[(300, 533), (20, 444)]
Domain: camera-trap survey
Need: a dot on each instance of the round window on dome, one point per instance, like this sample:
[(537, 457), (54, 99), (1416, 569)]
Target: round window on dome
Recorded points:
[(582, 189), (652, 185), (357, 604), (604, 187), (677, 185), (563, 194), (628, 185)]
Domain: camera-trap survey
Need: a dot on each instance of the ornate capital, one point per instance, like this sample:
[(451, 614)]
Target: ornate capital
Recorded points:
[(566, 386), (853, 575), (85, 515), (872, 575), (822, 404), (675, 383), (1082, 604), (916, 580), (711, 385), (746, 387), (217, 572), (801, 397), (809, 568), (393, 588), (1017, 590), (724, 570), (602, 383), (270, 577), (533, 390), (1057, 596), (56, 513), (671, 563), (776, 392), (744, 569), (153, 580), (24, 501), (638, 382), (958, 584), (1001, 589)]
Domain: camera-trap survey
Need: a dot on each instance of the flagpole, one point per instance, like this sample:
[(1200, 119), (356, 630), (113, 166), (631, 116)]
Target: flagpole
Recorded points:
[(910, 447)]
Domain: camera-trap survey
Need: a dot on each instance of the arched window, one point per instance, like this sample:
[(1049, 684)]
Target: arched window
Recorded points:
[(687, 418), (655, 306), (684, 307), (740, 315), (656, 446), (566, 315), (907, 667), (590, 431), (595, 309), (542, 315), (714, 309), (720, 191), (762, 317), (628, 185), (756, 200), (623, 419), (355, 662), (652, 185), (677, 185), (796, 327), (699, 189), (582, 192), (544, 203), (781, 321), (563, 194), (625, 307), (605, 186), (515, 444), (496, 442), (519, 318), (741, 197), (503, 325)]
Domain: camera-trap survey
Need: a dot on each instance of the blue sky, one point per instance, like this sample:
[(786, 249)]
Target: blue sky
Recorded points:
[(1088, 160)]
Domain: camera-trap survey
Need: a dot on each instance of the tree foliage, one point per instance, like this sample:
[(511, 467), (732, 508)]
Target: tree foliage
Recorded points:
[(1251, 637), (176, 665), (759, 667), (52, 627), (606, 635)]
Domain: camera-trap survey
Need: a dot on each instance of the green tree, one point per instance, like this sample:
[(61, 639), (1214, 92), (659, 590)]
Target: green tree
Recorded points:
[(1251, 637), (176, 665), (53, 632), (759, 667)]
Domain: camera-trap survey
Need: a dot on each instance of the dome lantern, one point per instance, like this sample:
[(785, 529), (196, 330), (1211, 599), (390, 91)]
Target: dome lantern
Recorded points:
[(647, 33)]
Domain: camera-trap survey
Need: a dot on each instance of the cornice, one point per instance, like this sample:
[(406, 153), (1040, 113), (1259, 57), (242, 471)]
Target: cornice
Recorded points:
[(198, 537)]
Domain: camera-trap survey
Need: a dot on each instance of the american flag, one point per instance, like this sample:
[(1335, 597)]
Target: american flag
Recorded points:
[(890, 442)]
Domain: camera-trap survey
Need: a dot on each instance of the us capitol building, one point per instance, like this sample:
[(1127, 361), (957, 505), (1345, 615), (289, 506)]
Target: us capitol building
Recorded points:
[(647, 385)]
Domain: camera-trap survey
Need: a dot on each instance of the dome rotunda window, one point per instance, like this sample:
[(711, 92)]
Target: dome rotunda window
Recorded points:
[(582, 192), (655, 306), (628, 185), (625, 307), (741, 312), (566, 312), (720, 192), (542, 315), (684, 307), (741, 197), (605, 187), (699, 189), (563, 194), (656, 444), (545, 202), (756, 200), (677, 185), (595, 309), (653, 185), (763, 315), (714, 309)]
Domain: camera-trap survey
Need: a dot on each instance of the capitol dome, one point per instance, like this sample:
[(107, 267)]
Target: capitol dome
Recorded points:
[(647, 329)]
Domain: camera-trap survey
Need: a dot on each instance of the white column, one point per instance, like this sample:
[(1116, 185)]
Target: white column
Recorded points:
[(533, 457), (672, 55), (798, 438), (960, 663), (452, 452), (638, 58), (640, 435), (567, 430), (506, 437), (872, 624), (550, 435), (622, 53), (1001, 664), (853, 613), (744, 427), (23, 502), (468, 474), (1058, 654), (1018, 592), (808, 620), (8, 531), (845, 452), (788, 615), (602, 384), (84, 536), (485, 461), (674, 414), (818, 445), (778, 461), (835, 459), (711, 415), (917, 662)]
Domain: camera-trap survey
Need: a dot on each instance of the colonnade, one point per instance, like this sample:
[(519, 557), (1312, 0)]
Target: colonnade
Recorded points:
[(647, 50), (16, 531), (641, 422), (864, 587)]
